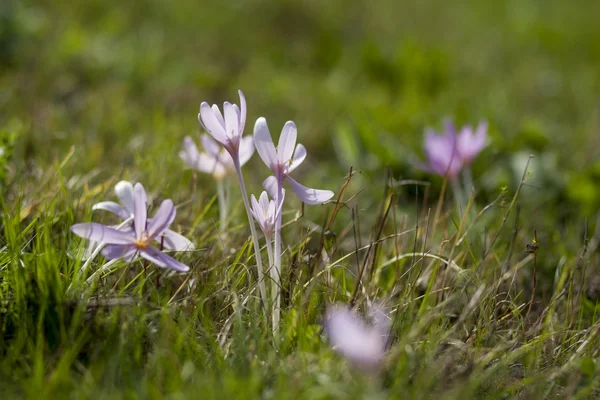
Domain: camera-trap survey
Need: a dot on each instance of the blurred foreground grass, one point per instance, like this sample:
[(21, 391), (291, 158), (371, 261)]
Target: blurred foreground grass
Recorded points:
[(96, 91)]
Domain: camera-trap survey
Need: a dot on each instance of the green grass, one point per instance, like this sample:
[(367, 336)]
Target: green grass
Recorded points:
[(102, 91)]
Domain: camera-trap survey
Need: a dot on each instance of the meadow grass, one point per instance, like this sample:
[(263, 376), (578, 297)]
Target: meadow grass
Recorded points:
[(95, 93)]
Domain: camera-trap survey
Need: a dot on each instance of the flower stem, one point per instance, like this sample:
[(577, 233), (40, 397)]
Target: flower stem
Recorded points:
[(274, 285), (459, 197), (259, 266), (277, 262), (222, 198)]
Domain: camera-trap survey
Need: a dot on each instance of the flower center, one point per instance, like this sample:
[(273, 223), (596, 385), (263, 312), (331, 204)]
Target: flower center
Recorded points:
[(142, 242)]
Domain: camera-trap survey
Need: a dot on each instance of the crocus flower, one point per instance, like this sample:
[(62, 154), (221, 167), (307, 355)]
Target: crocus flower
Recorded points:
[(362, 344), (283, 160), (138, 241), (226, 128), (214, 160), (442, 153), (470, 143), (265, 212), (124, 190)]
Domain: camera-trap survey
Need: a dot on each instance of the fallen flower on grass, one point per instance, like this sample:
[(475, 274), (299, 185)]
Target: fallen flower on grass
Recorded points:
[(362, 344), (129, 244)]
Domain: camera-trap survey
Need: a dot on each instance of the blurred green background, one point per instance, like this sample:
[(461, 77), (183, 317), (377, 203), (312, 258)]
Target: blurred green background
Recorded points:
[(122, 81)]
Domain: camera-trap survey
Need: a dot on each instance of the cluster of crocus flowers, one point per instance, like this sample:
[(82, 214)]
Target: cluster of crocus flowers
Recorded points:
[(449, 152), (137, 236), (363, 344), (282, 161), (216, 161)]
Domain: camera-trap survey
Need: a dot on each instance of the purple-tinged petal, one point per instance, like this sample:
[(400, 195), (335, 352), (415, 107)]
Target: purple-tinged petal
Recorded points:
[(189, 154), (175, 241), (211, 124), (271, 186), (256, 210), (126, 252), (112, 207), (242, 115), (232, 124), (264, 143), (163, 218), (101, 233), (207, 164), (287, 142), (124, 191), (309, 195), (246, 149), (218, 115), (442, 154), (162, 260), (450, 128), (210, 146), (299, 156), (264, 200), (470, 144), (140, 209), (351, 337)]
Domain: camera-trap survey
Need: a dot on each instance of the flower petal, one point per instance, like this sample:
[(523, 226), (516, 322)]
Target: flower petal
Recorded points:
[(162, 260), (124, 191), (189, 154), (211, 124), (112, 207), (211, 147), (102, 233), (256, 209), (232, 124), (351, 337), (246, 149), (242, 116), (270, 184), (126, 252), (140, 209), (218, 115), (287, 142), (309, 195), (264, 143), (175, 241), (299, 156), (163, 218)]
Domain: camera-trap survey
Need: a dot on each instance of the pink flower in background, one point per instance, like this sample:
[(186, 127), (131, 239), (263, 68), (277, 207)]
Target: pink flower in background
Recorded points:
[(441, 151), (469, 144), (362, 344)]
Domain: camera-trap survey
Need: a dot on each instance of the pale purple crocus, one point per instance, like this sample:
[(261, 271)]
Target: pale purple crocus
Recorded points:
[(124, 190), (265, 212), (362, 344), (441, 151), (470, 143), (227, 129), (130, 244), (283, 160), (214, 160)]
